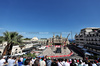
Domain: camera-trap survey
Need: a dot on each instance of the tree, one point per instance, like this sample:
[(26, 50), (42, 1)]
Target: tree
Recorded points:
[(27, 39), (11, 38), (1, 39), (30, 55)]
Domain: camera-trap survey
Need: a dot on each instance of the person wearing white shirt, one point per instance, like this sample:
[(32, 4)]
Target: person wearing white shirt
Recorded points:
[(9, 59), (66, 63), (21, 59), (33, 59), (94, 63), (11, 62), (63, 62), (31, 63), (2, 61), (86, 64), (59, 62), (42, 63)]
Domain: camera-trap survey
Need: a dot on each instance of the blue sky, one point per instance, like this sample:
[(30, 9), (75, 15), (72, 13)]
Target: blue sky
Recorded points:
[(48, 16)]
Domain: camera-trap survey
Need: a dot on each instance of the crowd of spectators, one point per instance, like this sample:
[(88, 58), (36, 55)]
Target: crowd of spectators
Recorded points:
[(45, 61)]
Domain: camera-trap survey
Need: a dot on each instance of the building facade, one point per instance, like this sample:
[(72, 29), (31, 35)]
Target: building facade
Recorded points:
[(58, 40), (90, 39)]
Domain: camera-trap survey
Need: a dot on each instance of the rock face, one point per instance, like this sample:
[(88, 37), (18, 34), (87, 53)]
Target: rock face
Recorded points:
[(50, 51)]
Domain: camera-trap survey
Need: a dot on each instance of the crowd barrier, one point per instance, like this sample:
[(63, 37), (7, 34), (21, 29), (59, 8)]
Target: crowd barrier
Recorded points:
[(59, 55), (62, 55), (55, 45)]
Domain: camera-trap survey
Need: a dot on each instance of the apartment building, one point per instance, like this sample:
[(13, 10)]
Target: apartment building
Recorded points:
[(90, 39)]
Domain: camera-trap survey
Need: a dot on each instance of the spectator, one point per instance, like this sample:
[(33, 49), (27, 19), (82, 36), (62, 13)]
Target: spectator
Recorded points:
[(36, 62), (54, 62), (24, 59), (59, 62), (19, 60), (80, 64), (73, 63), (86, 64), (31, 63), (94, 63), (89, 63), (11, 62), (63, 62), (66, 63), (27, 62), (42, 62), (33, 60), (48, 61), (76, 62), (2, 61), (9, 58)]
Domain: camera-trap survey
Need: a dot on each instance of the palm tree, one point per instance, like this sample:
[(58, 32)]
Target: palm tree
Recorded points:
[(1, 39), (12, 38)]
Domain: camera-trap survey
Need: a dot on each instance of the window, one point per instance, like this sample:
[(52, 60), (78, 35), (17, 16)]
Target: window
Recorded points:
[(15, 52), (97, 34), (19, 51), (12, 53)]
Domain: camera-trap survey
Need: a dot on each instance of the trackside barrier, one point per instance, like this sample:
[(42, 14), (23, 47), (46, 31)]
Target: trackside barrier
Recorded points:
[(62, 55), (59, 55), (54, 46)]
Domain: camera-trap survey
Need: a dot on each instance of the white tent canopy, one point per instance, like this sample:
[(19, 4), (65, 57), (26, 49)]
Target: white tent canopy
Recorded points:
[(20, 53), (43, 47)]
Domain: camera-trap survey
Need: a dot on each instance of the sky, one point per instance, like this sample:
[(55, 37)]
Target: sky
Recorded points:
[(42, 18)]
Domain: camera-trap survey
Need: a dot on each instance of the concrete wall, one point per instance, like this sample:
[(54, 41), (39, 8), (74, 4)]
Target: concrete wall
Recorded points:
[(16, 49)]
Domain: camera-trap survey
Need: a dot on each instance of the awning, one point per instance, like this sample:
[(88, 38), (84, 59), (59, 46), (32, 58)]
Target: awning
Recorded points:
[(42, 47), (84, 49), (80, 46), (19, 54), (27, 49), (40, 56), (87, 53)]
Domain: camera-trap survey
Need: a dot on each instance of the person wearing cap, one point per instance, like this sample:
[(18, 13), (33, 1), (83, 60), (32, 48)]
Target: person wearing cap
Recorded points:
[(48, 61), (33, 59), (3, 61)]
